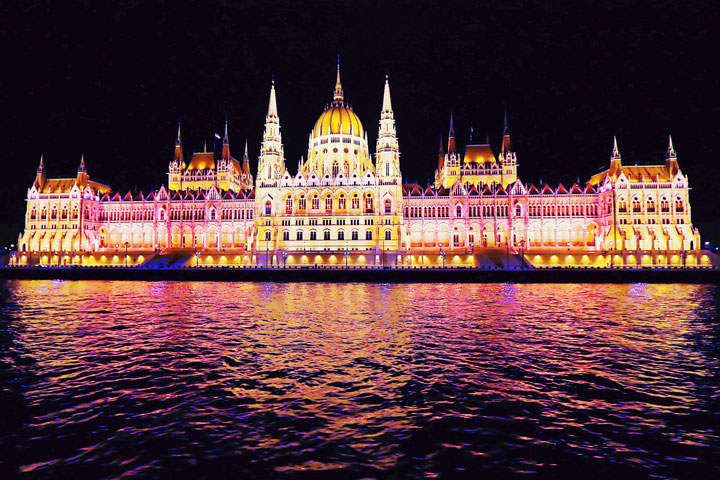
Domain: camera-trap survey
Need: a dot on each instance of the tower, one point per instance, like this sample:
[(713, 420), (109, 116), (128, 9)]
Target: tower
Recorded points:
[(671, 159), (271, 165), (615, 160), (177, 165), (388, 155), (82, 176), (40, 177)]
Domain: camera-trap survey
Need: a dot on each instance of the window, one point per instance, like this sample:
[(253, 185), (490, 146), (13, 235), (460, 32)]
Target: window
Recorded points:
[(388, 206), (286, 236), (341, 202), (335, 168), (368, 235), (651, 205), (299, 235), (313, 235), (388, 235), (315, 202), (268, 208), (636, 205), (212, 214), (518, 211), (328, 204), (341, 235), (288, 205), (354, 235), (326, 235), (458, 211), (679, 206), (369, 204), (301, 203), (622, 206), (664, 205), (267, 235), (355, 202)]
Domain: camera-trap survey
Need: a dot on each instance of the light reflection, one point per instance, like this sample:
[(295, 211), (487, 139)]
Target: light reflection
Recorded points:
[(279, 367)]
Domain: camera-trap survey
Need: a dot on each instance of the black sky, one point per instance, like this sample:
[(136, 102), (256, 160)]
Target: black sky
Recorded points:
[(112, 81)]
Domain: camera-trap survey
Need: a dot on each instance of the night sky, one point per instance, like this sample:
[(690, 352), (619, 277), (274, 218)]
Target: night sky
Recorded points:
[(113, 81)]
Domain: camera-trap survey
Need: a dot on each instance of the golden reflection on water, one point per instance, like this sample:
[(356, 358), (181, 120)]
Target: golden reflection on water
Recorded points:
[(353, 363)]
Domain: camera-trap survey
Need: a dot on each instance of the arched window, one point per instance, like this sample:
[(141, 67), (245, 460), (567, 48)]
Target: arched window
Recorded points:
[(458, 211), (53, 215), (369, 208), (650, 205), (64, 213), (268, 208), (354, 235), (355, 202), (622, 206), (315, 202), (518, 210), (341, 235), (33, 213), (313, 235), (299, 235), (388, 206), (301, 203), (328, 204), (388, 235), (636, 205), (326, 235), (286, 235), (341, 202), (679, 205), (664, 205), (335, 168), (267, 235), (212, 214), (43, 214), (288, 205), (368, 235)]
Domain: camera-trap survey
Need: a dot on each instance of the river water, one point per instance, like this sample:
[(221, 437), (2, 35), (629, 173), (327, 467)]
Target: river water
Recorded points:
[(265, 380)]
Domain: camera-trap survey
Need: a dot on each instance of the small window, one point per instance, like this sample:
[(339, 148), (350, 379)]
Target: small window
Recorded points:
[(388, 235), (368, 235), (313, 235), (268, 208), (341, 235), (354, 235), (299, 235), (326, 235)]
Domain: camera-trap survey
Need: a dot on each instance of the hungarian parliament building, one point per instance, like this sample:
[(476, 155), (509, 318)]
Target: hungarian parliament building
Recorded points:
[(345, 207)]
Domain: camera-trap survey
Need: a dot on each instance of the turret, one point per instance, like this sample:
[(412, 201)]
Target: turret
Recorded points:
[(226, 145), (246, 161), (271, 164), (615, 160), (506, 146), (40, 177), (451, 137), (388, 155), (178, 156), (441, 155), (671, 158), (82, 176)]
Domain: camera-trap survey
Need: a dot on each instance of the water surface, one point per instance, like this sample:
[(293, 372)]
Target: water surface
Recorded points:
[(264, 380)]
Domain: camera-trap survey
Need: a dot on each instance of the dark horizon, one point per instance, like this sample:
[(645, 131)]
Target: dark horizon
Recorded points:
[(112, 82)]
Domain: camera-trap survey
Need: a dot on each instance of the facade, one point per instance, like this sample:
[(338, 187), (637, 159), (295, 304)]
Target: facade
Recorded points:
[(347, 207)]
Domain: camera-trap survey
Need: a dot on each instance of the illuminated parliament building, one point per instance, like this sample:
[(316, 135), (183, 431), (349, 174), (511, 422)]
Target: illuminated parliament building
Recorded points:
[(347, 207)]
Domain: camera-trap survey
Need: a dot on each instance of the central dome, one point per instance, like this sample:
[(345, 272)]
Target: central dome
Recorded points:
[(338, 119)]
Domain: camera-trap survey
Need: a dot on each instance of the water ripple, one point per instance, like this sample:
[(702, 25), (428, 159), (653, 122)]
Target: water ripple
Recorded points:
[(216, 380)]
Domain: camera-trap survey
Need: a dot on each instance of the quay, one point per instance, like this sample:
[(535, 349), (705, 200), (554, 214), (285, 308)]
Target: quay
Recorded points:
[(370, 275)]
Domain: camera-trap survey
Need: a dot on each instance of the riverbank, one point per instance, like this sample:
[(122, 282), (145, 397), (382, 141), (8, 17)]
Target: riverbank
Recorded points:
[(405, 275)]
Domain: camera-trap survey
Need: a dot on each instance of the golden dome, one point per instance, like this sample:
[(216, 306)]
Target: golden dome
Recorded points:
[(338, 119)]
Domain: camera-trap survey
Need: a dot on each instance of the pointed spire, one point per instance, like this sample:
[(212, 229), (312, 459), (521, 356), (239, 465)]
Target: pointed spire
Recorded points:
[(226, 144), (441, 155), (670, 154), (41, 166), (178, 156), (471, 134), (442, 152), (506, 145), (615, 151), (387, 104), (81, 168), (338, 93), (246, 160), (451, 137), (205, 146), (272, 104)]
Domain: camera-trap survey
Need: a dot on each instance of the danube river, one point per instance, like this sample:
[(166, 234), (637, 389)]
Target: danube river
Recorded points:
[(265, 380)]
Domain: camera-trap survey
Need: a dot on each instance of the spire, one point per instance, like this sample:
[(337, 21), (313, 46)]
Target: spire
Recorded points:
[(81, 168), (338, 93), (226, 144), (41, 166), (471, 134), (272, 105), (441, 155), (178, 156), (506, 145), (246, 160), (615, 151), (451, 137), (670, 154), (205, 146), (387, 104)]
